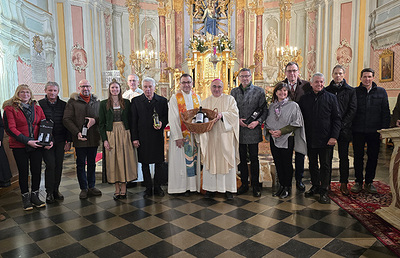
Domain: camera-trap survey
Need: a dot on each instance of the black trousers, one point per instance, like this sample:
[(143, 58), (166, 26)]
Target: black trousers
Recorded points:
[(147, 176), (320, 175), (373, 144), (26, 160), (299, 165), (254, 164), (54, 159), (283, 159), (343, 149)]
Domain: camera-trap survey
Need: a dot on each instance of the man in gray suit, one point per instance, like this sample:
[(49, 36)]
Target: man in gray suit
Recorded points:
[(249, 98)]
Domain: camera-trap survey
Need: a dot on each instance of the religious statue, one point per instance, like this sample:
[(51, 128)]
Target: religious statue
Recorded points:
[(271, 43), (149, 42), (210, 18), (120, 64)]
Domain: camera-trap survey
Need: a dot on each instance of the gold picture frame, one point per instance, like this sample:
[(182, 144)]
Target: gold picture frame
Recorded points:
[(386, 66)]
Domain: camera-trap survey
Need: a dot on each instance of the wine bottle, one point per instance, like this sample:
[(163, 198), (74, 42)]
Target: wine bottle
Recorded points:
[(200, 116), (206, 120), (85, 128), (156, 118), (256, 114)]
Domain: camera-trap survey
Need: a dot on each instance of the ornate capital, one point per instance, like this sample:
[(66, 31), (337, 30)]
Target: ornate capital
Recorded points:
[(285, 7), (133, 10), (163, 8), (257, 6), (178, 6), (241, 4)]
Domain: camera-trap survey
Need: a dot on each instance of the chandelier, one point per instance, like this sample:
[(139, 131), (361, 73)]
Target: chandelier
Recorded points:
[(285, 55), (142, 61)]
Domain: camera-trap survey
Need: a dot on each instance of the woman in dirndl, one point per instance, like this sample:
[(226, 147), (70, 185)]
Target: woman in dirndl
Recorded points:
[(114, 124)]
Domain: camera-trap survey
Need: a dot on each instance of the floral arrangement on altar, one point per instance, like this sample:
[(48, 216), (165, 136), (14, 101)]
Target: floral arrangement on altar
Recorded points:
[(201, 44)]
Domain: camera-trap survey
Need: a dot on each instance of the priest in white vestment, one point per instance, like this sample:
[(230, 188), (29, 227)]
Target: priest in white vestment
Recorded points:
[(183, 165), (220, 146)]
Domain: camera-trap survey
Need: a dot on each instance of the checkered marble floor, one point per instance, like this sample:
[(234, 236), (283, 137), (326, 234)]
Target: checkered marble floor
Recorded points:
[(179, 226)]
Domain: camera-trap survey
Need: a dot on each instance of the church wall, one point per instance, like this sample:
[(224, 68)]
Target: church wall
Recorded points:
[(27, 47), (384, 33)]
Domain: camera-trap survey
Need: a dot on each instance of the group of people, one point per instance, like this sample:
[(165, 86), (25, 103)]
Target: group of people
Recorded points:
[(312, 119), (304, 117)]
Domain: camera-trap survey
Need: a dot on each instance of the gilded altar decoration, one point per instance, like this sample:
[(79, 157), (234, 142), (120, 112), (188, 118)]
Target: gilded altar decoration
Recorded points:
[(285, 9), (78, 58), (37, 44), (386, 66), (121, 64), (142, 61), (201, 44)]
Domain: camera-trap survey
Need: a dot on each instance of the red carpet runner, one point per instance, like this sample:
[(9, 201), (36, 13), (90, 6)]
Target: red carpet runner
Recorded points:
[(362, 205)]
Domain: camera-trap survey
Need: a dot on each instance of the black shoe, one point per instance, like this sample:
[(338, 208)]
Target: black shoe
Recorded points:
[(229, 196), (94, 192), (209, 195), (116, 196), (324, 199), (159, 191), (148, 192), (256, 191), (300, 186), (26, 201), (50, 198), (279, 192), (313, 190), (58, 196), (35, 200), (242, 189), (285, 192)]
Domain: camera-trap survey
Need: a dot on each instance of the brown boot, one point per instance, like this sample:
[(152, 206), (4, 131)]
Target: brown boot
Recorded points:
[(343, 189)]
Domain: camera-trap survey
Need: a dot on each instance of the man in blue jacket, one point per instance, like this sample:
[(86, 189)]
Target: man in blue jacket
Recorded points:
[(372, 115), (322, 123)]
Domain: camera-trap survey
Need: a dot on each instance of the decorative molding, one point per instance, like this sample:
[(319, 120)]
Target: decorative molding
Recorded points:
[(257, 6), (178, 5), (79, 58), (133, 10), (344, 53), (285, 7)]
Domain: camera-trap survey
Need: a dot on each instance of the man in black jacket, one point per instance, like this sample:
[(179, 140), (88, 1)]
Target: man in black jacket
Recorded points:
[(372, 115), (53, 108), (297, 88), (322, 123), (148, 137), (347, 101)]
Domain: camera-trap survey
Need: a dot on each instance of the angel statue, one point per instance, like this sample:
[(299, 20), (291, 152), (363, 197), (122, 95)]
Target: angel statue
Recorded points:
[(120, 64)]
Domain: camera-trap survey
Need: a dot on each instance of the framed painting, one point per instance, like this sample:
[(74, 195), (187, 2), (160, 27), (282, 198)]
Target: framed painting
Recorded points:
[(386, 66)]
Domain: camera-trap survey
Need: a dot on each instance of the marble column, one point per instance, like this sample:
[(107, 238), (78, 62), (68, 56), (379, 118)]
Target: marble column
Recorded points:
[(178, 7), (163, 48), (240, 36), (259, 53), (392, 213)]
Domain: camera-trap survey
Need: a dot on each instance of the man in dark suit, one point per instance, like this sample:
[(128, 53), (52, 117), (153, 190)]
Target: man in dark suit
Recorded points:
[(148, 137), (297, 88)]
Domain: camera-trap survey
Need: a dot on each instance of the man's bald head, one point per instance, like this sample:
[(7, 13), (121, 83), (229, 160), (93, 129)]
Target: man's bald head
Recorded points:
[(85, 87)]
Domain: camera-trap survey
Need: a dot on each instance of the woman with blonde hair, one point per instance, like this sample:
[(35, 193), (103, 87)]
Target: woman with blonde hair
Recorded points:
[(22, 118), (114, 125)]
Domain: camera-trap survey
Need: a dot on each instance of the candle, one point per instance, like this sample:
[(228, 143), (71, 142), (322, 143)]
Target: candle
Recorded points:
[(277, 52)]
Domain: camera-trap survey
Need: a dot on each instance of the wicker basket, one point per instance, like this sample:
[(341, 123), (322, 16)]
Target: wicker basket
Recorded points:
[(188, 115)]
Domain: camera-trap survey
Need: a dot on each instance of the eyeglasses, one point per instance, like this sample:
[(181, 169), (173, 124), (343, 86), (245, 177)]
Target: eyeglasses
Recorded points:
[(186, 82), (85, 86), (291, 71), (245, 76)]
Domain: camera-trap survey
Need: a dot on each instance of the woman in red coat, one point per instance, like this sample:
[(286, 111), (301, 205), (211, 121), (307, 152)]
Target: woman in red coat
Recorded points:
[(22, 118)]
